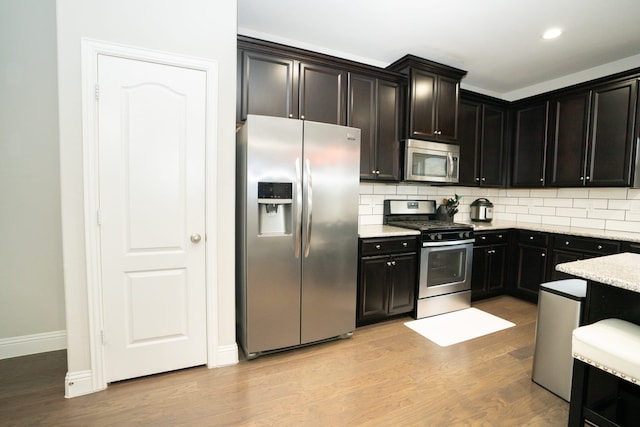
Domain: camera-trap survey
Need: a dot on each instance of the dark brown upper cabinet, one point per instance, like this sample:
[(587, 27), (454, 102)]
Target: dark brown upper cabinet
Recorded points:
[(482, 138), (374, 108), (592, 136), (267, 85), (433, 98), (322, 94), (529, 144)]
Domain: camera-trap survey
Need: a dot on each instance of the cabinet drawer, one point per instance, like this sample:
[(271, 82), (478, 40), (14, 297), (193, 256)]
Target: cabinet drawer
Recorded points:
[(491, 238), (583, 244), (533, 238), (388, 245)]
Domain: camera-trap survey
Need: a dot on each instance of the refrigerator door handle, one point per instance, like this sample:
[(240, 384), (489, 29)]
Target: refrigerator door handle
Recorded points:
[(307, 245), (298, 224)]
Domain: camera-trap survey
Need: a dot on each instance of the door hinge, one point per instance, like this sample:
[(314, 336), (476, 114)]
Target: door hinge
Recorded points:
[(99, 217), (97, 91)]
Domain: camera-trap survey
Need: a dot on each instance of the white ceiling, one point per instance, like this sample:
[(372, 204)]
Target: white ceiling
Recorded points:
[(497, 41)]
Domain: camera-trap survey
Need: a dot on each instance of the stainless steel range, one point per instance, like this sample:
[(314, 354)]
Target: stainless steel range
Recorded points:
[(445, 258)]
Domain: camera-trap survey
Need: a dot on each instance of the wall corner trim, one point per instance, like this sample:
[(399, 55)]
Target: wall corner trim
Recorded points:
[(32, 344), (78, 383), (226, 355)]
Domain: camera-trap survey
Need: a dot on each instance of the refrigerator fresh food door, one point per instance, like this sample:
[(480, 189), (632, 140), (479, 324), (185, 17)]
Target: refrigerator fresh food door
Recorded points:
[(274, 147), (331, 168)]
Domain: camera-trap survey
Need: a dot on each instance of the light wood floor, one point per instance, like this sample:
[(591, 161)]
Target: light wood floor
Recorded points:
[(385, 375)]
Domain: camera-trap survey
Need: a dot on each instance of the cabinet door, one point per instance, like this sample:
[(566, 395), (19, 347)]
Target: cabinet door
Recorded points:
[(498, 264), (560, 256), (531, 270), (568, 141), (388, 131), (422, 111), (469, 138), (492, 142), (480, 271), (362, 115), (529, 146), (611, 136), (374, 279), (403, 283), (267, 86), (448, 98), (322, 94)]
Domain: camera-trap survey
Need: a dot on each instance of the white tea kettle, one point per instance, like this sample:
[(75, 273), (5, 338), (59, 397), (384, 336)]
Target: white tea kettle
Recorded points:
[(481, 210)]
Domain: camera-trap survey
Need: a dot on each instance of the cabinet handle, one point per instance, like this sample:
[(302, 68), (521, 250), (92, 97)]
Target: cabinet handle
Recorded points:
[(543, 254), (499, 236), (393, 263), (599, 246), (484, 237), (530, 237), (588, 178), (301, 117), (290, 115), (478, 179), (541, 179), (405, 244), (378, 246), (566, 243), (582, 178), (483, 179), (377, 172), (388, 263)]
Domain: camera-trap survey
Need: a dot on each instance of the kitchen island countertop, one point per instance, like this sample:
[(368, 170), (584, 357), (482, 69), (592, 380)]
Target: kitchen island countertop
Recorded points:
[(619, 270)]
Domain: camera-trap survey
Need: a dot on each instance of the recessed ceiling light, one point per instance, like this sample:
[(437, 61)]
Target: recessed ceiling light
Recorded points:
[(552, 33)]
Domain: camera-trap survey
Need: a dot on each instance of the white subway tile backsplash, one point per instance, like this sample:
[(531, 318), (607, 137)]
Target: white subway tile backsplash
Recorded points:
[(559, 203), (633, 227), (588, 223), (606, 214), (573, 193), (601, 208), (571, 212), (556, 220), (537, 219), (608, 193)]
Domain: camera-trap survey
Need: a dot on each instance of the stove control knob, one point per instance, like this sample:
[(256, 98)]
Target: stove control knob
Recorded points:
[(461, 234), (439, 236)]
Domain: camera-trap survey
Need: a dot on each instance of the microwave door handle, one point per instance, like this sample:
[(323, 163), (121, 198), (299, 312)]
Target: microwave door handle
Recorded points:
[(450, 158)]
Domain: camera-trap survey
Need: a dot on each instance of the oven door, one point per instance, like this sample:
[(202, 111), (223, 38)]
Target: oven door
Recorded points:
[(445, 268)]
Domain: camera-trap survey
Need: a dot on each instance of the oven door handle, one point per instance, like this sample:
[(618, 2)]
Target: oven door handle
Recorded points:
[(449, 243)]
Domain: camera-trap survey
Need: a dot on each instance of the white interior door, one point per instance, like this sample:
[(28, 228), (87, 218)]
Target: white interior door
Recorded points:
[(151, 132)]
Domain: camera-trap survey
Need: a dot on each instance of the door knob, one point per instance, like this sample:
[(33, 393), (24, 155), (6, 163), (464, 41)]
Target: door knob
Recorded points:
[(195, 238)]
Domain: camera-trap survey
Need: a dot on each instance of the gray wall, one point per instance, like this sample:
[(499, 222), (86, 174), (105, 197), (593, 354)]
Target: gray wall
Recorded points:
[(31, 282)]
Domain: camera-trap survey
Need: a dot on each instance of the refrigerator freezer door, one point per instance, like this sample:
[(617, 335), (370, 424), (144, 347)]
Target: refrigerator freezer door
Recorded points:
[(272, 291), (330, 230)]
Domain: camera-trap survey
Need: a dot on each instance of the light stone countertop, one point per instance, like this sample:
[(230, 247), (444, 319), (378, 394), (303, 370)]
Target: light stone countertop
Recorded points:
[(379, 230), (558, 229), (619, 270)]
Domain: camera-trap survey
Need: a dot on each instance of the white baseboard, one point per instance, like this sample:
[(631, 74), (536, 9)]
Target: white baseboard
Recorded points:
[(225, 355), (77, 384), (32, 344)]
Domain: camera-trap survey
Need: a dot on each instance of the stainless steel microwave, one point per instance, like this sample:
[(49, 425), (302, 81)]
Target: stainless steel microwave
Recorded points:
[(431, 161)]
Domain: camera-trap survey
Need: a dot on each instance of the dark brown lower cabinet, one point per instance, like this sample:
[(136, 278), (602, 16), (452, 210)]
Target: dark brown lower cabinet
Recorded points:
[(488, 274), (386, 282), (573, 248), (531, 250)]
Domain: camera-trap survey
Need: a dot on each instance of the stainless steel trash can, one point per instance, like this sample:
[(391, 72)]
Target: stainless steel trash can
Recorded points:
[(559, 313)]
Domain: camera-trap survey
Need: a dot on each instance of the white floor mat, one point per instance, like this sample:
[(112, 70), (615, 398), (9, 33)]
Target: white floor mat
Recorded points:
[(458, 326)]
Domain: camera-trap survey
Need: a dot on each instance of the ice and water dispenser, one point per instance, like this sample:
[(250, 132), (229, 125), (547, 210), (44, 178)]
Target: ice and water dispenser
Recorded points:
[(275, 201)]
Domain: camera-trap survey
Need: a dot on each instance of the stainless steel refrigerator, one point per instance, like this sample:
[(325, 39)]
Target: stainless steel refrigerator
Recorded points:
[(297, 232)]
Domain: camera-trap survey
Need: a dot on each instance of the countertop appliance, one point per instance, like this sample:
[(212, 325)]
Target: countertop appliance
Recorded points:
[(446, 257), (431, 161), (481, 210), (297, 232)]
